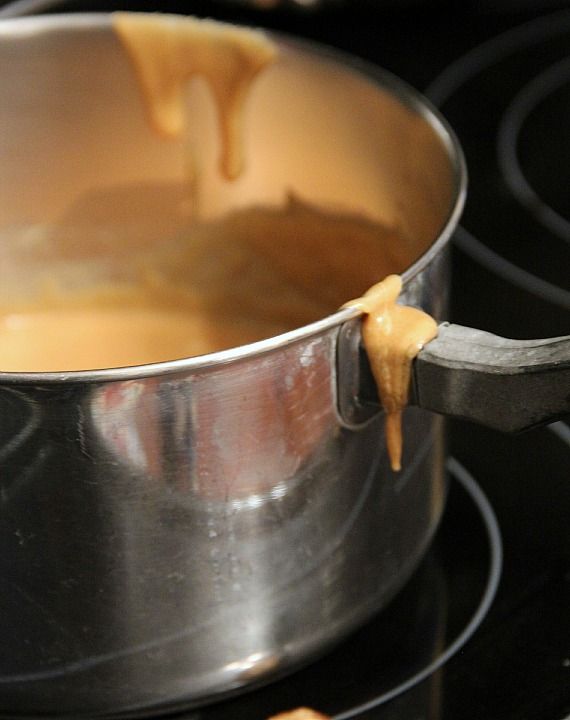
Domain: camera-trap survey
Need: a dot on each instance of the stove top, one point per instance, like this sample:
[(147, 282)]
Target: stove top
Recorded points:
[(483, 628)]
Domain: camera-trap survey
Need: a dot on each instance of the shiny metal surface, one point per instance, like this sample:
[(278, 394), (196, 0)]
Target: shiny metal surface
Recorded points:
[(176, 531)]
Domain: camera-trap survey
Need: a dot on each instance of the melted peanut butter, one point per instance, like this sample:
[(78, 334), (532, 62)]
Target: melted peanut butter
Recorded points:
[(98, 337), (166, 51), (393, 335), (250, 275)]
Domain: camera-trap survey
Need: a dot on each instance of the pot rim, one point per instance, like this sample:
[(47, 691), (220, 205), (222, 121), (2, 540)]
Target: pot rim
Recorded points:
[(401, 90)]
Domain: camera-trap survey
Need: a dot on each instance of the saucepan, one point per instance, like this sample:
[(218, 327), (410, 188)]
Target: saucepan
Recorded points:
[(178, 531)]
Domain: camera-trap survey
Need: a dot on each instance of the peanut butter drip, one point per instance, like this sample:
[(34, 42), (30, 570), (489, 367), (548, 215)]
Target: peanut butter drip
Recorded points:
[(166, 51), (393, 335), (301, 713)]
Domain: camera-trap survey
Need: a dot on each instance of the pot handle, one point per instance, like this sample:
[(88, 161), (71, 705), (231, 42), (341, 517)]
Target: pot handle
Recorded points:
[(507, 385)]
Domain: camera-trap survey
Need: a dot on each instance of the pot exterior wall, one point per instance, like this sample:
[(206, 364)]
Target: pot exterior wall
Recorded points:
[(170, 537)]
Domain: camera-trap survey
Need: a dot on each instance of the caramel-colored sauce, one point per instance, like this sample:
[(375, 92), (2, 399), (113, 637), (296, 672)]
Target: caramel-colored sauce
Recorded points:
[(167, 51), (98, 337), (250, 275), (393, 336), (115, 325)]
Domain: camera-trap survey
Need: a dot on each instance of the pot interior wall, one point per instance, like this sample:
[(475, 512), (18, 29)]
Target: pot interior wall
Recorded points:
[(87, 187)]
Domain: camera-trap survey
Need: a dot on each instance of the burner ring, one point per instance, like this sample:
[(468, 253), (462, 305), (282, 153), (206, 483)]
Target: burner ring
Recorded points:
[(527, 100), (457, 77), (469, 484), (479, 58), (495, 263)]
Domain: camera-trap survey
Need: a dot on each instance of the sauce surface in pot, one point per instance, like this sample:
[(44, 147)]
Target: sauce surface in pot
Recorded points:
[(253, 274)]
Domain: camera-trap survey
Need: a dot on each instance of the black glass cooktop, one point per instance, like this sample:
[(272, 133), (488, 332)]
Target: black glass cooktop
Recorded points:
[(455, 645)]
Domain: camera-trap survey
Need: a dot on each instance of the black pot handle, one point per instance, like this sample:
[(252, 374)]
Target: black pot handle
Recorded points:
[(507, 385)]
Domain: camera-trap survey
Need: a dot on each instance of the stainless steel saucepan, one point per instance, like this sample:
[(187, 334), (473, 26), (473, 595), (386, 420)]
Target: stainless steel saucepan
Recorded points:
[(177, 531)]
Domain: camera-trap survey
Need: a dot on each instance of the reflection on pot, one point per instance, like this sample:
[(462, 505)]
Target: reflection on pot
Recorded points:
[(238, 435)]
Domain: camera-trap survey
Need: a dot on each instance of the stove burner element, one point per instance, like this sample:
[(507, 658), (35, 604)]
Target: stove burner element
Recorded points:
[(514, 87), (510, 272), (528, 101), (468, 483)]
